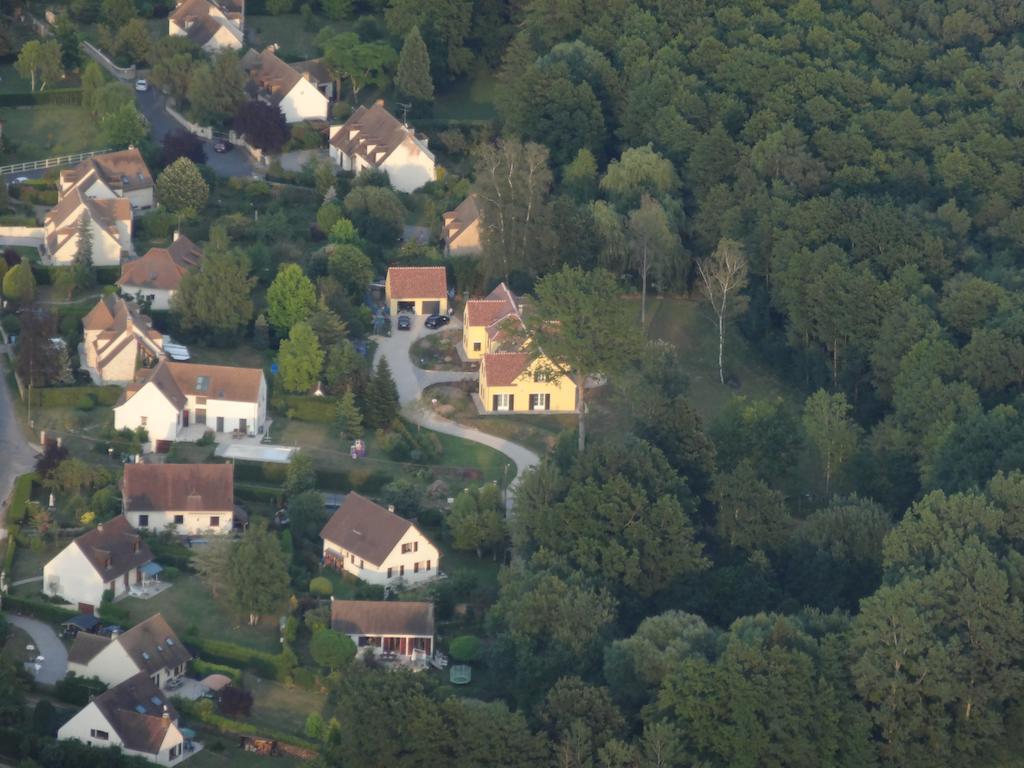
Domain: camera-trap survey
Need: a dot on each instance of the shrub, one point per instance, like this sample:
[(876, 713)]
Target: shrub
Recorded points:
[(203, 669), (77, 690), (465, 648), (38, 609), (304, 678), (267, 665), (85, 403), (321, 586)]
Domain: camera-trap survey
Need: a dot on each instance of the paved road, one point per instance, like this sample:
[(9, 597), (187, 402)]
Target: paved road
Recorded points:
[(18, 455), (48, 645), (151, 104), (411, 381)]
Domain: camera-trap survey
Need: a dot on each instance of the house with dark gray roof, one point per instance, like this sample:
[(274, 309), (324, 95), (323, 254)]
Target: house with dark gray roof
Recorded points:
[(399, 627), (134, 715), (376, 545), (112, 556)]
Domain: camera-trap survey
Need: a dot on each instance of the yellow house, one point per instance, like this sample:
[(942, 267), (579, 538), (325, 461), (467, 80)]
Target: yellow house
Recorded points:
[(512, 382), (420, 290), (482, 320), (460, 228)]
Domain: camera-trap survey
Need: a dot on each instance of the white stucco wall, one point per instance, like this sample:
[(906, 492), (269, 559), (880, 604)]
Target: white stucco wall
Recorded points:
[(161, 296), (193, 522), (90, 718), (409, 167), (373, 574), (304, 102), (112, 665), (106, 251), (71, 577), (141, 198), (162, 418)]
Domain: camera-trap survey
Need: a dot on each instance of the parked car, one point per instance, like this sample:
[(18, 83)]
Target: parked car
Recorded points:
[(404, 323), (141, 85), (436, 321), (220, 146)]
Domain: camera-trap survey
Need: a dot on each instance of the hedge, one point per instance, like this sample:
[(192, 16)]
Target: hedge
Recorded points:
[(78, 690), (320, 410), (203, 669), (18, 221), (48, 276), (53, 96), (206, 715), (362, 478), (38, 609), (35, 195), (71, 397), (270, 666), (19, 498), (256, 492)]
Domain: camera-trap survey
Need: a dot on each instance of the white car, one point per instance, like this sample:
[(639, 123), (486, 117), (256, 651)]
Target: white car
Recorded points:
[(21, 179), (141, 85)]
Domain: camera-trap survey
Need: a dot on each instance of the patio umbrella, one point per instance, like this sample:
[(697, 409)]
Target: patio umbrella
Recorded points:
[(188, 733)]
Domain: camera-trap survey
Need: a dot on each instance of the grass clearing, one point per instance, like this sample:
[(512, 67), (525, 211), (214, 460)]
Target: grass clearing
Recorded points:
[(279, 707), (35, 133), (471, 98), (289, 32), (234, 757), (684, 322), (189, 604)]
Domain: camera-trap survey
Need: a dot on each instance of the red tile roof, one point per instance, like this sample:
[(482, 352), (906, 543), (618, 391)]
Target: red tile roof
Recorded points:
[(417, 282), (179, 487), (501, 369)]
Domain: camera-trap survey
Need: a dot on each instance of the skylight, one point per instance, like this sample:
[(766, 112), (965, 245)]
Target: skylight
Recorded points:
[(156, 701), (140, 709), (170, 641), (145, 655), (202, 383)]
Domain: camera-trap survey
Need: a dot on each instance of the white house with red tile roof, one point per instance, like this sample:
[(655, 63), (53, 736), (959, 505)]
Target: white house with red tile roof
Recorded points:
[(157, 275), (117, 337), (212, 26), (419, 290)]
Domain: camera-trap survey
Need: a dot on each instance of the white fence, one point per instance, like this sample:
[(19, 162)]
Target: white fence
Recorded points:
[(206, 132), (50, 162), (121, 73)]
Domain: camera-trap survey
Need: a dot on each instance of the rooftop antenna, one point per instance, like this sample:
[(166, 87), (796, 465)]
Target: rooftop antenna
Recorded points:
[(405, 113)]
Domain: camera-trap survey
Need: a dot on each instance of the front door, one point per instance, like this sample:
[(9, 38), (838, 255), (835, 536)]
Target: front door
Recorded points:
[(86, 608), (220, 423), (242, 427), (184, 418), (200, 415)]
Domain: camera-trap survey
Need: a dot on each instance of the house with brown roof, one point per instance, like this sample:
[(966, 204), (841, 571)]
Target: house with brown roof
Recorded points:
[(117, 339), (210, 24), (194, 498), (111, 556), (512, 380), (376, 545), (296, 89), (122, 174), (149, 648), (419, 290), (108, 219), (135, 716), (398, 627), (373, 138), (460, 229), (168, 399), (156, 276)]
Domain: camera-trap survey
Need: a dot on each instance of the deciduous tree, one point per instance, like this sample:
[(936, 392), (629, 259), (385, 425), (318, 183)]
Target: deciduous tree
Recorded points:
[(654, 246), (362, 63), (291, 298), (300, 359), (181, 188), (722, 276), (831, 432), (262, 125), (40, 60), (257, 574)]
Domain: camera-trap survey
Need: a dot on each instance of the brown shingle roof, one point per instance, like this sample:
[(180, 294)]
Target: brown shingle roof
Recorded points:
[(418, 282), (370, 617), (135, 709), (102, 315), (161, 268), (65, 216), (113, 548), (194, 17), (501, 369), (364, 528), (178, 487), (456, 221), (273, 75), (124, 171), (153, 646), (86, 646), (373, 133), (223, 382)]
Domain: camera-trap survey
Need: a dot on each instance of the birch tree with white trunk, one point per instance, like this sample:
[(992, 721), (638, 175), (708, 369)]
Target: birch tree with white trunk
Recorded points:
[(723, 275)]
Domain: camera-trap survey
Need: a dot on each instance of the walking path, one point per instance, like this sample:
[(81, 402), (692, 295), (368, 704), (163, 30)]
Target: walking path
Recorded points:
[(18, 455), (411, 381), (55, 657), (29, 580)]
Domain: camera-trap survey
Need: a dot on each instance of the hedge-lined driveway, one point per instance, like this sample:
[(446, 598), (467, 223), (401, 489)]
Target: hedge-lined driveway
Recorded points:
[(18, 456)]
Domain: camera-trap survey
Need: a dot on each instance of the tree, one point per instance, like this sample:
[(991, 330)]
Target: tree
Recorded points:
[(327, 216), (579, 178), (213, 563), (337, 10), (413, 75), (117, 13), (750, 515), (639, 171), (332, 649), (347, 418), (328, 327), (92, 82), (133, 41), (182, 189), (257, 577), (363, 63), (381, 405), (38, 360), (306, 515), (216, 89), (19, 284), (80, 275), (301, 474), (477, 521), (512, 183), (602, 337), (262, 125), (722, 276), (279, 7), (352, 268), (70, 43), (291, 298), (300, 359), (377, 212), (445, 25), (831, 432), (215, 298), (40, 60), (343, 232), (182, 144), (123, 126), (173, 58), (655, 247)]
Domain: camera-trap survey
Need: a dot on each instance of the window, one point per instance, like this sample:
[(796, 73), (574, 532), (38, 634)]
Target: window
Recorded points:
[(179, 519), (540, 376), (361, 564), (175, 751), (428, 566), (97, 734), (143, 420), (413, 546), (401, 570), (415, 567), (389, 572), (156, 680), (143, 521), (540, 402), (476, 346), (503, 402), (215, 521), (202, 383)]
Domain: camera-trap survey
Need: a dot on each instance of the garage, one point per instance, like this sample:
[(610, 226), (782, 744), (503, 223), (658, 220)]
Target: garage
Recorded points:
[(431, 307), (407, 306)]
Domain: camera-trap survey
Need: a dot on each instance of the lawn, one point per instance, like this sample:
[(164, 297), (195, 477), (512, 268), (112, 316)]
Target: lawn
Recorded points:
[(242, 355), (15, 648), (234, 757), (11, 81), (685, 323), (471, 98), (35, 133), (29, 561), (287, 31), (189, 604), (278, 707)]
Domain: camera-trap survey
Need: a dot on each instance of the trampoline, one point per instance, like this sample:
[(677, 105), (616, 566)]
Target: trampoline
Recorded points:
[(460, 674)]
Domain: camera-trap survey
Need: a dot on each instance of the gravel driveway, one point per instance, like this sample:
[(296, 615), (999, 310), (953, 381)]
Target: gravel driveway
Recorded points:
[(48, 645)]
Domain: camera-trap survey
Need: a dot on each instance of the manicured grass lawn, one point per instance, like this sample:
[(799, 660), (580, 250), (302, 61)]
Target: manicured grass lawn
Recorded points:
[(288, 32), (35, 133), (29, 562), (281, 708), (233, 757), (242, 355), (471, 98), (11, 81), (188, 603), (686, 324)]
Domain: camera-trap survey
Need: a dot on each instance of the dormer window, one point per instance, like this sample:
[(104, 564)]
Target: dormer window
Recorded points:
[(202, 383)]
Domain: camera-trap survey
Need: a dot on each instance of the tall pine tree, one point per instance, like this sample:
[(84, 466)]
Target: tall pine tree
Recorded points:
[(413, 75), (381, 406), (347, 417)]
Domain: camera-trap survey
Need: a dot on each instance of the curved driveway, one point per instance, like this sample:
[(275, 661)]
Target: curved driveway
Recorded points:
[(48, 645), (411, 381)]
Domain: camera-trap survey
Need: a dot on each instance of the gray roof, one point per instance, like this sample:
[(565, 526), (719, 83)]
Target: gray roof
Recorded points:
[(138, 711), (373, 617), (365, 529)]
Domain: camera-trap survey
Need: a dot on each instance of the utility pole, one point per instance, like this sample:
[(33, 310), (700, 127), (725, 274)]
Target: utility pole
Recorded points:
[(405, 113)]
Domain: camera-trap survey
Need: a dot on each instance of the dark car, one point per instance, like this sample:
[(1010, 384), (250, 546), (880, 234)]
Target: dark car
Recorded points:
[(220, 146), (404, 323), (437, 321)]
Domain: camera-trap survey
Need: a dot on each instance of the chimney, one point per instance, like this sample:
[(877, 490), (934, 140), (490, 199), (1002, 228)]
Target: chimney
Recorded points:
[(59, 441), (177, 234), (391, 508), (379, 103), (166, 714), (100, 527)]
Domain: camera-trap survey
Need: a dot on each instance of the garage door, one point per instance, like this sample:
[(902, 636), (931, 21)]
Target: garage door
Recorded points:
[(163, 446), (431, 307), (407, 306)]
